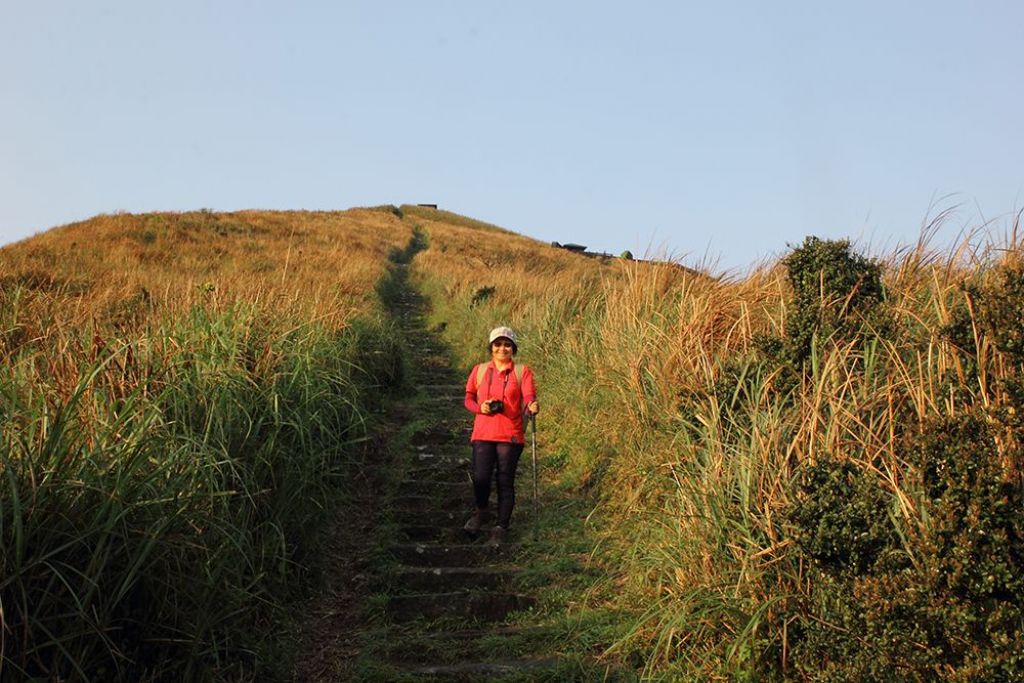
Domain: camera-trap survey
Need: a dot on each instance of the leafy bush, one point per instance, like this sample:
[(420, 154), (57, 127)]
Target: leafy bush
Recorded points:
[(941, 595), (842, 518), (992, 310), (834, 293), (481, 295), (940, 601)]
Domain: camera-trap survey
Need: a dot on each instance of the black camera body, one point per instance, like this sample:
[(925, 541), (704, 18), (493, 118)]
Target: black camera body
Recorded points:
[(497, 405)]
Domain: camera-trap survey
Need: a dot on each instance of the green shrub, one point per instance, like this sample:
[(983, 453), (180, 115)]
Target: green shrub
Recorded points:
[(842, 518), (834, 293), (481, 295), (943, 600), (994, 310), (837, 295)]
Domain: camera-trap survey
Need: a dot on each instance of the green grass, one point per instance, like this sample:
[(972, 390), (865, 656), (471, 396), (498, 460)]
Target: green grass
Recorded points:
[(180, 453), (158, 511)]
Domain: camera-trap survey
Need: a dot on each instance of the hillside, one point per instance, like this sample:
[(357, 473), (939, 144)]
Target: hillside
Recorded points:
[(182, 393), (810, 473), (97, 269)]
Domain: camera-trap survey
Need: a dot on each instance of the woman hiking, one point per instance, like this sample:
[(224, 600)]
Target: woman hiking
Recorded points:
[(498, 393)]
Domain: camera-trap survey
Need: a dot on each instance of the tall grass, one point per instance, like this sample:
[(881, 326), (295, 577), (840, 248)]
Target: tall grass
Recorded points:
[(179, 391), (174, 431), (658, 401)]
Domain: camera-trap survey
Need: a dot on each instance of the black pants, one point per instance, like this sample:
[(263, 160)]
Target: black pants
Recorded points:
[(488, 456)]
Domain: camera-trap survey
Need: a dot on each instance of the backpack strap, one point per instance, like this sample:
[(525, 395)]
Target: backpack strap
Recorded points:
[(481, 370)]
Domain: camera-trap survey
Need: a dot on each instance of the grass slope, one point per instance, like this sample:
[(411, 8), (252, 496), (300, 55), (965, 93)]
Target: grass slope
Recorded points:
[(811, 472), (786, 475), (184, 396)]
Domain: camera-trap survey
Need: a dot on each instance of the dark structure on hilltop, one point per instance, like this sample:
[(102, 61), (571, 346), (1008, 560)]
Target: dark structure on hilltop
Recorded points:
[(580, 249)]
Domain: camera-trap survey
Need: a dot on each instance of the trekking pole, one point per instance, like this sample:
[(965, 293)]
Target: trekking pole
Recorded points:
[(533, 419)]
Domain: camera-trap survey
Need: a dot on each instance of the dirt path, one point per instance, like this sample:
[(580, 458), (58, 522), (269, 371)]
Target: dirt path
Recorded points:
[(409, 596)]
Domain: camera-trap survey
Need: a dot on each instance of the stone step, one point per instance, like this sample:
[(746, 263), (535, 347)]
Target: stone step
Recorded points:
[(449, 502), (416, 532), (472, 634), (429, 533), (451, 470), (450, 555), (438, 437), (485, 607), (456, 398), (451, 579), (489, 642), (459, 388), (480, 671), (437, 487), (454, 454), (435, 517)]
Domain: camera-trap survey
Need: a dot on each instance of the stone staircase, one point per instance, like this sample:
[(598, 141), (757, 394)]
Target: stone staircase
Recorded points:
[(451, 599)]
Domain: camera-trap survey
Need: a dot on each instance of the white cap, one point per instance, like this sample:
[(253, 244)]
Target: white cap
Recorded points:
[(506, 332)]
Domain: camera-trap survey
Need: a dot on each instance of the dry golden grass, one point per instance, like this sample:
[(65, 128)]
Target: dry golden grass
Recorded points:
[(124, 269), (630, 357), (183, 396)]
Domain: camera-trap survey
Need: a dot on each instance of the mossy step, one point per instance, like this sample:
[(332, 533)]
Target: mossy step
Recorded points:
[(520, 669), (436, 388), (440, 397), (443, 398), (436, 517), (434, 396), (451, 555), (435, 437), (437, 487), (454, 454), (451, 579), (482, 607), (452, 470), (430, 533), (447, 502), (410, 645)]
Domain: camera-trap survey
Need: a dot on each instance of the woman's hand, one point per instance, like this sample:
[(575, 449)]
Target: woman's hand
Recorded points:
[(533, 408), (485, 407)]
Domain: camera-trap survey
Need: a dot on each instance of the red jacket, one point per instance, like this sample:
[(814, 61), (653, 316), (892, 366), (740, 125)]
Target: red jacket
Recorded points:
[(507, 425)]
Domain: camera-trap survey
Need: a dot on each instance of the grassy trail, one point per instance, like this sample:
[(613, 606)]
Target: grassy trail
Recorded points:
[(442, 606), (808, 473)]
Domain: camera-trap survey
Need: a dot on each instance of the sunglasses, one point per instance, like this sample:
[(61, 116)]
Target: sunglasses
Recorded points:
[(504, 345)]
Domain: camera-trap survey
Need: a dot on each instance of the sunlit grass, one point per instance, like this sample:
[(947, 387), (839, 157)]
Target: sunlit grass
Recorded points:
[(656, 403), (178, 388), (183, 398)]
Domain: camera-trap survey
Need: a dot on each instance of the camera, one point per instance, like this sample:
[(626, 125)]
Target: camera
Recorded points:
[(497, 405)]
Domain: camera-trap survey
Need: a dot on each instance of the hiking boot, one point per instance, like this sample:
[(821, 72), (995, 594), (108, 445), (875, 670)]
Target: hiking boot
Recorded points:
[(476, 522), (498, 535)]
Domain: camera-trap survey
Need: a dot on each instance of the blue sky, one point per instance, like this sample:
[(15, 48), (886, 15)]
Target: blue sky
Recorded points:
[(722, 129)]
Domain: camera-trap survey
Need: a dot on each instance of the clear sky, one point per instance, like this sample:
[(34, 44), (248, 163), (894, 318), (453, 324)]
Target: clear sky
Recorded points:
[(721, 128)]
